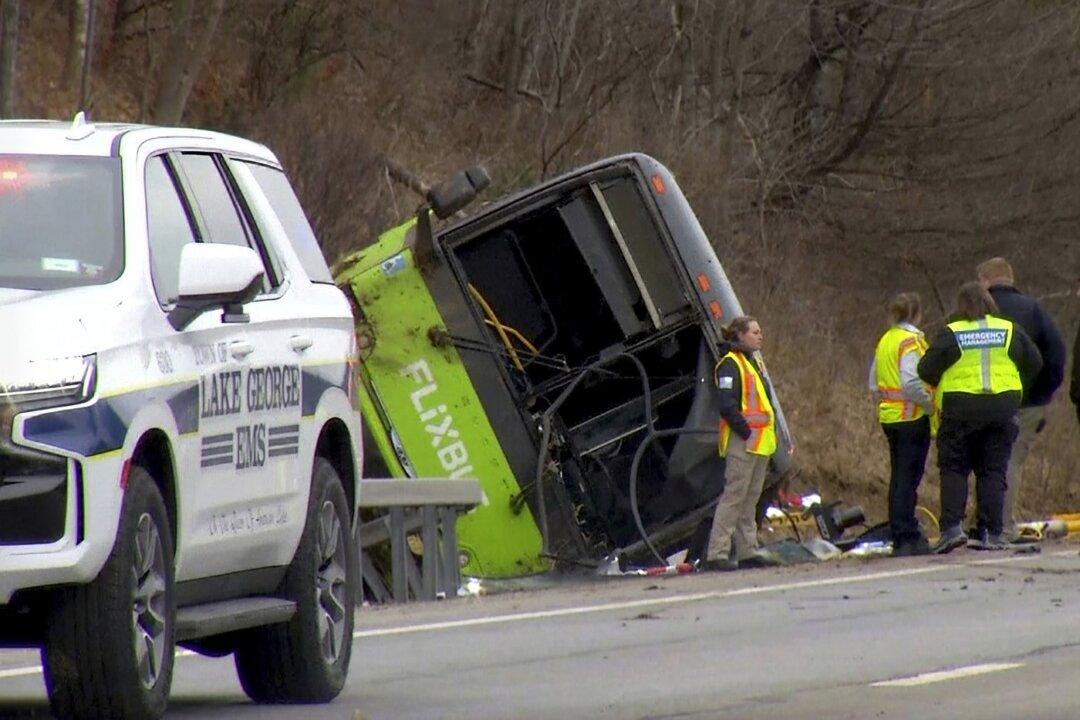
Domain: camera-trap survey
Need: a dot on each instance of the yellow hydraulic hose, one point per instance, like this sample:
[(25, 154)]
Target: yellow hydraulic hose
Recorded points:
[(932, 521), (518, 336), (1066, 517), (499, 327)]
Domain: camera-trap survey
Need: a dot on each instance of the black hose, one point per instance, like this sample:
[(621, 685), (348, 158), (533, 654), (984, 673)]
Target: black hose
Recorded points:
[(652, 434), (545, 429), (651, 437)]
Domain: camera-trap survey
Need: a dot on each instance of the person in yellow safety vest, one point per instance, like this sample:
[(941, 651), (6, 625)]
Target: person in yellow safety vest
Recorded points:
[(747, 441), (980, 364), (904, 407)]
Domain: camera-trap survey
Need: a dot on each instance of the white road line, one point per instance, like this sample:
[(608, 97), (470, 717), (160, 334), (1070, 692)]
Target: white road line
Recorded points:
[(650, 602), (692, 597), (631, 604), (943, 675)]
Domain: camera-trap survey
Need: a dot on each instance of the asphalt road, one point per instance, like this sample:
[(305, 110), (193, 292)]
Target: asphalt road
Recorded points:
[(970, 635)]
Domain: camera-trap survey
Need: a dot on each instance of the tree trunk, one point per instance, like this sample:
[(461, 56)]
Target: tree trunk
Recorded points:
[(568, 31), (735, 30), (720, 32), (78, 11), (78, 22), (515, 54), (678, 28), (184, 58), (9, 45), (474, 47)]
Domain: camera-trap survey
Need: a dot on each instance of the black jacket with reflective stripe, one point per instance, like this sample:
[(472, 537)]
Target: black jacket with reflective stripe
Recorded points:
[(944, 352)]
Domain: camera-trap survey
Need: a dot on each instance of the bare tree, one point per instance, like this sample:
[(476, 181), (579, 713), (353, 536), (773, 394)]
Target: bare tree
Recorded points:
[(184, 58), (9, 44), (297, 45), (78, 23)]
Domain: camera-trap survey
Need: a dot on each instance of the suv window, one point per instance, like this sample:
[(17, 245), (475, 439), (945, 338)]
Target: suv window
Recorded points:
[(286, 205), (211, 194), (59, 221), (168, 226), (223, 219)]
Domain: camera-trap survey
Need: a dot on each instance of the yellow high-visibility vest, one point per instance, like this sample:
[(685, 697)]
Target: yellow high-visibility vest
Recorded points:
[(984, 367), (893, 346), (756, 409)]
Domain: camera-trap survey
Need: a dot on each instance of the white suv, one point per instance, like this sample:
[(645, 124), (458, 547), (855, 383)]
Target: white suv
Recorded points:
[(179, 437)]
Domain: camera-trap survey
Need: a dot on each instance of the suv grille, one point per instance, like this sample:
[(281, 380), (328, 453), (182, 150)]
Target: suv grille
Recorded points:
[(33, 499)]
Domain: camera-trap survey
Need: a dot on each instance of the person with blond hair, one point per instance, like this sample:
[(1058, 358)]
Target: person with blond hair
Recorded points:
[(980, 364), (904, 407), (997, 277), (747, 441)]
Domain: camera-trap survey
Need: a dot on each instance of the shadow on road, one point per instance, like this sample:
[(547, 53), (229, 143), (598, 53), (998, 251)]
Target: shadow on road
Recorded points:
[(24, 710), (39, 710)]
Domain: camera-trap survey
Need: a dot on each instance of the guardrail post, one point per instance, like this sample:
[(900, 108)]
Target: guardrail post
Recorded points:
[(399, 554), (438, 502), (451, 571), (430, 539)]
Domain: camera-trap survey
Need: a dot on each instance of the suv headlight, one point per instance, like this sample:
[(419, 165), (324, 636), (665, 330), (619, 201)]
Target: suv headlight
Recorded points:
[(48, 383)]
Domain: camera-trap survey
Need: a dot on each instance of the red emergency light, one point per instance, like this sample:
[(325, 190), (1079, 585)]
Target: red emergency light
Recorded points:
[(12, 176)]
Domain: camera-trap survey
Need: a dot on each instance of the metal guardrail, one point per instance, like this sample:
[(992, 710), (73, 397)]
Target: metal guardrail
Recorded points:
[(430, 506)]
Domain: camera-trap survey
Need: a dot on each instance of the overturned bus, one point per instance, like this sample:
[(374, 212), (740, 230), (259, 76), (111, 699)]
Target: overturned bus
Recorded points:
[(557, 345)]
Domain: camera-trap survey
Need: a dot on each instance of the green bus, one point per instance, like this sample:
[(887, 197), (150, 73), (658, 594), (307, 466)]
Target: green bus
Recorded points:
[(557, 345)]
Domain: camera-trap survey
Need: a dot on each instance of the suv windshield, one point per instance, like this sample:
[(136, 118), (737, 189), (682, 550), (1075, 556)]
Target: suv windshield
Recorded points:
[(59, 221)]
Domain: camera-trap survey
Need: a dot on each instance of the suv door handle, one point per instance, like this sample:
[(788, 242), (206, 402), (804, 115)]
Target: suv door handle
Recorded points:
[(240, 349), (300, 343)]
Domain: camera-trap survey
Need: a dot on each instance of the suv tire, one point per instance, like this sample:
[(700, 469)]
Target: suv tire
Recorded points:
[(307, 659), (108, 650)]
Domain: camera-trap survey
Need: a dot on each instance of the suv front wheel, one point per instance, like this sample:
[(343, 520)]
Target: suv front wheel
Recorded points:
[(307, 659), (108, 650)]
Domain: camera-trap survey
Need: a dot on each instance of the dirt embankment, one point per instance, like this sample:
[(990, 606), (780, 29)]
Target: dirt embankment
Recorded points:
[(836, 152)]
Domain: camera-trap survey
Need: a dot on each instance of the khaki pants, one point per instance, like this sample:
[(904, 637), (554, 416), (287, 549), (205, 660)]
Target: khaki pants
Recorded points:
[(734, 520), (1029, 418)]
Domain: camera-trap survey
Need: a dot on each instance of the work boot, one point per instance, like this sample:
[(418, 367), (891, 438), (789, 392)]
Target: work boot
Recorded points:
[(760, 559), (985, 540), (910, 547), (720, 565), (951, 538)]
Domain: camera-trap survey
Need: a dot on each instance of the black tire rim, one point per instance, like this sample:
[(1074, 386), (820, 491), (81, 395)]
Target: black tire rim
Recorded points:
[(330, 587), (148, 613)]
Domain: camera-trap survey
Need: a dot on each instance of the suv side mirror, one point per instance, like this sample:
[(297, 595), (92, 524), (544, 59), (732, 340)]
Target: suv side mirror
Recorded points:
[(214, 275), (457, 192)]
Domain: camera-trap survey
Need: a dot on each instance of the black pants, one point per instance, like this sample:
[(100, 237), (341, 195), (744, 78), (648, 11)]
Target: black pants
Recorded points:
[(980, 445), (908, 444)]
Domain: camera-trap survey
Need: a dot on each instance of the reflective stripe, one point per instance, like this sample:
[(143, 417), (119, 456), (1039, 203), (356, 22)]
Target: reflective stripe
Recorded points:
[(891, 394), (906, 346), (751, 401), (985, 359)]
